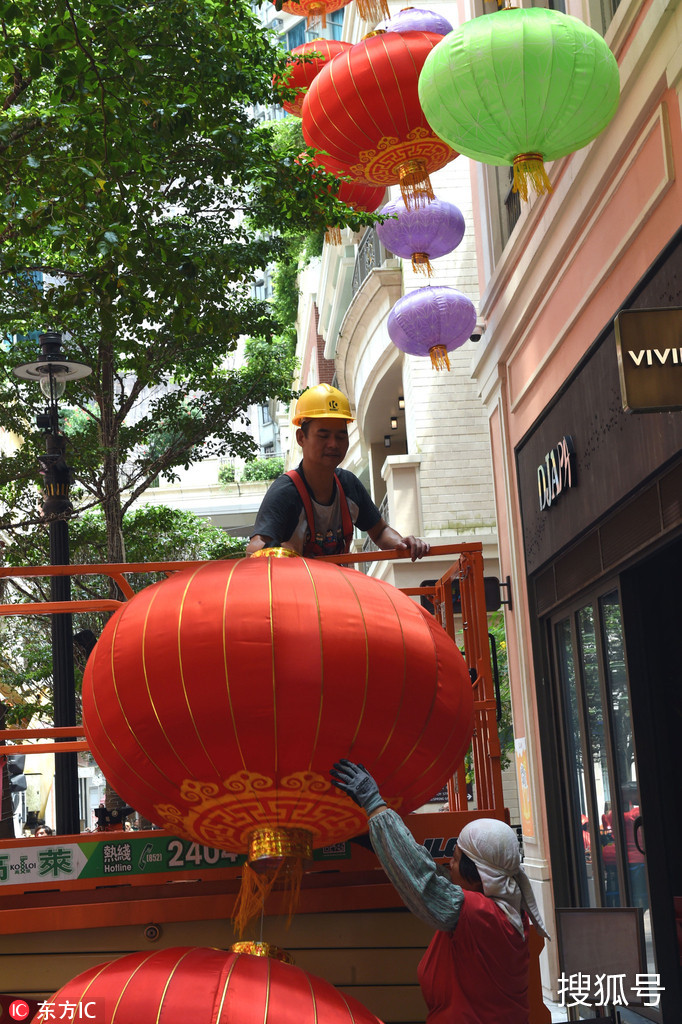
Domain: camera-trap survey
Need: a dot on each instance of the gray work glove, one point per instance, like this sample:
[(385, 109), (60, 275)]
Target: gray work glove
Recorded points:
[(355, 780)]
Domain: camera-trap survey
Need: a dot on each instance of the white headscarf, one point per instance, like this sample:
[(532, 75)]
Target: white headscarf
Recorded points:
[(494, 848)]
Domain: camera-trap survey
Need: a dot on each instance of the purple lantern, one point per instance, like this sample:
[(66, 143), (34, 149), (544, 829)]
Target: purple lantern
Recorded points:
[(421, 233), (415, 19), (432, 321)]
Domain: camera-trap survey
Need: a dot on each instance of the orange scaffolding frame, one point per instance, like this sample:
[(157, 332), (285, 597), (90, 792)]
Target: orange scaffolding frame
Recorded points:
[(356, 883), (467, 569)]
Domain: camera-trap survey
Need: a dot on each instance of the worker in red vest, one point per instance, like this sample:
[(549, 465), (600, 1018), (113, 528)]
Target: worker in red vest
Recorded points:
[(314, 508), (475, 970)]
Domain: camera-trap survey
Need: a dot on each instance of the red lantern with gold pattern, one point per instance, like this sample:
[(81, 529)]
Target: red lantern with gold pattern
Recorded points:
[(363, 110), (204, 986), (366, 198), (369, 10), (216, 701), (299, 73), (356, 194), (312, 8)]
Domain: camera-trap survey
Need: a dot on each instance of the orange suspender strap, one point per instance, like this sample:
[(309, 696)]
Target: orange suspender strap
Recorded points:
[(346, 522)]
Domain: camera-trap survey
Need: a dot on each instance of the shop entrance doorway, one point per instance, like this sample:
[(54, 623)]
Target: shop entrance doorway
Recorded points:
[(601, 770), (616, 660)]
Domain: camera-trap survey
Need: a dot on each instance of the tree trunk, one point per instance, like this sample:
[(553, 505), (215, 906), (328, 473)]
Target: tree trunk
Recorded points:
[(111, 496)]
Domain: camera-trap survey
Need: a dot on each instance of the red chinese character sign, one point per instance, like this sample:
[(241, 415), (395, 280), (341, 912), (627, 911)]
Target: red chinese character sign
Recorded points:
[(204, 986), (363, 110), (216, 701)]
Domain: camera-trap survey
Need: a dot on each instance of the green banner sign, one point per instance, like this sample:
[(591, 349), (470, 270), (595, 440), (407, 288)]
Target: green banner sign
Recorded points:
[(121, 857)]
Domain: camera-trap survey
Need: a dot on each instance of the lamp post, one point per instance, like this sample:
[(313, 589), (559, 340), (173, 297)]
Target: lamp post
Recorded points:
[(53, 372)]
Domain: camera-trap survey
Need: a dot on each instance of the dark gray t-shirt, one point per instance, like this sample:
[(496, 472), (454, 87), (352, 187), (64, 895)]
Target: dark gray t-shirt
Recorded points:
[(282, 519)]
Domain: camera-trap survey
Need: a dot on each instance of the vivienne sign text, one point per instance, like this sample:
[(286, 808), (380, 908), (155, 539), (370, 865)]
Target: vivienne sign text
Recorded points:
[(556, 473), (649, 353)]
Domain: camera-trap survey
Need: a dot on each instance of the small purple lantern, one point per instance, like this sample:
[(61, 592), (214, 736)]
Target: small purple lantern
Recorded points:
[(421, 233), (432, 321), (416, 19)]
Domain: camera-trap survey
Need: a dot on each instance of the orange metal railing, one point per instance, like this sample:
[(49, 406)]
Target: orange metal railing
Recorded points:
[(467, 568)]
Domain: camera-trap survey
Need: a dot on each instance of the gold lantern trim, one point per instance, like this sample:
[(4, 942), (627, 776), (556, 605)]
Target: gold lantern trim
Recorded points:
[(256, 948)]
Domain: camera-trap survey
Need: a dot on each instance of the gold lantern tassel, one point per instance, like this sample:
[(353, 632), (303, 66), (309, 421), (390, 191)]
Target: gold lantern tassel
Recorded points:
[(278, 855), (256, 886), (373, 10), (439, 357), (313, 11), (254, 947), (332, 236), (528, 167), (253, 892), (421, 264), (415, 184)]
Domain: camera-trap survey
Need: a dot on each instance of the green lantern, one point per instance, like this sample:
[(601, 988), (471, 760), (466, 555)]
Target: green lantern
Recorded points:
[(520, 87)]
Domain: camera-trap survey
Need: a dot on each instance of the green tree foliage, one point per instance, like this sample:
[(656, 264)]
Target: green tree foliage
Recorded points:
[(139, 198), (263, 469), (152, 534), (505, 726)]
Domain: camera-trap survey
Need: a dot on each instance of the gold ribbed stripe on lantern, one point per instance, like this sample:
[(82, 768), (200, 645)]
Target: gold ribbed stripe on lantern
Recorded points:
[(254, 948), (266, 843)]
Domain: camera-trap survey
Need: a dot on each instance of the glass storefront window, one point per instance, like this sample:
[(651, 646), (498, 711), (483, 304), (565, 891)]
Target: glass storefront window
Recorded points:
[(574, 753), (629, 816), (600, 763)]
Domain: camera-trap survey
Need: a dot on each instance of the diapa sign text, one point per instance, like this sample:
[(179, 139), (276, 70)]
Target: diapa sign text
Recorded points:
[(557, 473)]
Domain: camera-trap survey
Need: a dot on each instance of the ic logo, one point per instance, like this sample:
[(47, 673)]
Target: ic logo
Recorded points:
[(333, 404)]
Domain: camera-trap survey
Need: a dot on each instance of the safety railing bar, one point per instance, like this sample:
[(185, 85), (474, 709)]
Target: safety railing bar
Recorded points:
[(59, 607), (383, 556), (120, 569), (48, 732), (98, 569), (65, 747)]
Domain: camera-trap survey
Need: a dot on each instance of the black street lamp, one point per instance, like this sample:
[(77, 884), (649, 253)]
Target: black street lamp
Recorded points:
[(53, 372)]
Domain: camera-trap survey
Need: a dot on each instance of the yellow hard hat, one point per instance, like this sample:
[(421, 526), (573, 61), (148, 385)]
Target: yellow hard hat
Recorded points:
[(322, 402)]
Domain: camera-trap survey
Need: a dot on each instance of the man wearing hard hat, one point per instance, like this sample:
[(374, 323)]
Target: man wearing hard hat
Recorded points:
[(314, 508)]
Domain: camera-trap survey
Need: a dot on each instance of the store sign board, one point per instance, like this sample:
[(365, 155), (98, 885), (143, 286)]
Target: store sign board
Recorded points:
[(556, 473), (119, 859), (649, 349)]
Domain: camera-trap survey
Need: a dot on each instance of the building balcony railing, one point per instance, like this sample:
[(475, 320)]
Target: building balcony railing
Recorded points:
[(371, 254)]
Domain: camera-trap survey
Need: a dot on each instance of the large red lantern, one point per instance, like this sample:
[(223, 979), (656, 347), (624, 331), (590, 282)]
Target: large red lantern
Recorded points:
[(300, 73), (204, 986), (216, 701), (363, 110), (369, 10), (312, 8), (356, 194)]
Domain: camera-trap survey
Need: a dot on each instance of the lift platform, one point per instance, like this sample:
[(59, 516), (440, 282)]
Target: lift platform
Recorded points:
[(117, 878)]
